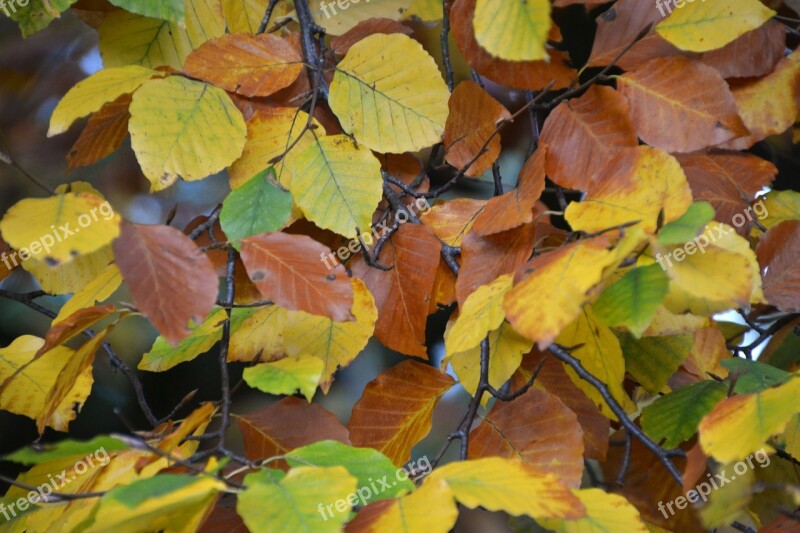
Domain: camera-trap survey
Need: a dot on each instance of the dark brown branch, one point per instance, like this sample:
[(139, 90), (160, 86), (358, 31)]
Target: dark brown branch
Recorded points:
[(443, 38)]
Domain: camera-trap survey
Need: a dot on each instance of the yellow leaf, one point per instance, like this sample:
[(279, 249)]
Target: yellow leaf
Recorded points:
[(430, 508), (98, 289), (27, 393), (394, 101), (184, 128), (130, 39), (164, 356), (336, 343), (554, 286), (513, 30), (741, 425), (730, 501), (506, 348), (270, 133), (704, 26), (286, 376), (257, 334), (426, 10), (92, 93), (605, 513), (59, 228), (482, 312), (635, 186), (73, 276), (244, 16), (508, 485), (337, 19), (337, 184), (599, 353), (203, 21)]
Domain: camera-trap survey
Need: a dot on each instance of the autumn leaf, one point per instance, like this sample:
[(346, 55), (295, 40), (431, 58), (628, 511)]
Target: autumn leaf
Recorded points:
[(336, 21), (104, 133), (673, 418), (170, 279), (256, 207), (780, 265), (287, 375), (512, 30), (481, 313), (163, 356), (392, 424)]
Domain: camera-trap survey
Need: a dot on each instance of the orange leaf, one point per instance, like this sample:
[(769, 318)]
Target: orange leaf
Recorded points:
[(394, 413), (671, 91), (779, 257), (538, 429), (474, 116), (170, 279), (288, 269), (252, 65), (102, 135), (452, 220), (74, 325)]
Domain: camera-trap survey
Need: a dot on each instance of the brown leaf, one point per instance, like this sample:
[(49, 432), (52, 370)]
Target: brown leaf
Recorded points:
[(584, 133), (725, 179), (534, 75), (618, 26), (251, 65), (103, 134), (696, 463), (6, 266), (474, 117), (341, 44), (286, 425), (670, 91), (394, 413), (484, 259), (538, 429), (170, 279), (756, 53), (779, 257), (403, 294), (553, 378), (224, 517), (288, 270)]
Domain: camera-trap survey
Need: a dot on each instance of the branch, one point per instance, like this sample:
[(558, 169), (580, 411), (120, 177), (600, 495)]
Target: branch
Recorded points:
[(313, 58), (267, 15), (448, 65)]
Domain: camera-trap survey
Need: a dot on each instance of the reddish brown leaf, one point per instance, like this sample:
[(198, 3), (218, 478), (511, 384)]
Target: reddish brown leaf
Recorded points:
[(756, 53), (402, 294), (726, 180), (584, 133), (553, 378), (251, 65), (676, 90), (618, 26), (103, 134), (474, 117), (452, 220), (394, 413), (536, 428), (288, 270), (484, 259), (6, 266), (170, 279), (224, 517), (515, 208), (696, 463), (533, 75), (341, 44), (74, 325), (779, 257), (286, 425)]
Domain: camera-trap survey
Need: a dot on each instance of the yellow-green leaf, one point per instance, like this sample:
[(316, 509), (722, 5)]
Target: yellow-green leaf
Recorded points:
[(163, 355), (393, 101), (339, 17), (482, 312), (99, 289), (605, 513), (337, 184), (130, 39), (57, 229), (704, 26), (515, 30), (183, 128), (286, 376), (92, 93)]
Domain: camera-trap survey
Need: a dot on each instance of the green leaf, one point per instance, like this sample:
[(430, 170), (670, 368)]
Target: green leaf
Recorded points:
[(653, 360), (66, 448), (366, 464), (163, 356), (36, 15), (256, 207), (171, 10), (752, 376), (675, 416), (689, 225), (632, 300), (297, 502), (287, 375)]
